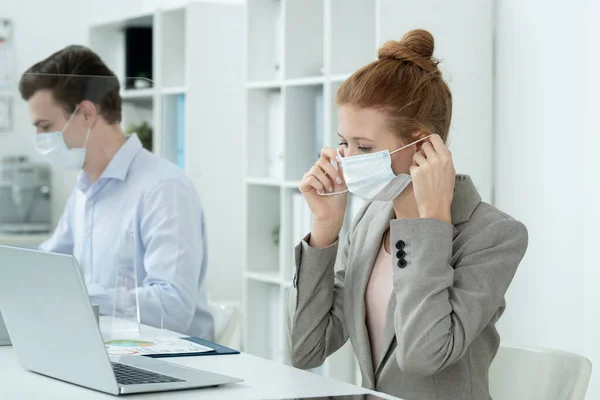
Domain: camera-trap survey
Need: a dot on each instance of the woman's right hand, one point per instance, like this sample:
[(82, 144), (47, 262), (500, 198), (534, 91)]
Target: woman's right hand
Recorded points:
[(328, 211)]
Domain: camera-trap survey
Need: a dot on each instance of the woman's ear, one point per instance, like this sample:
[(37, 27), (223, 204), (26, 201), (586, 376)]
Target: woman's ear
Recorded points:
[(418, 135)]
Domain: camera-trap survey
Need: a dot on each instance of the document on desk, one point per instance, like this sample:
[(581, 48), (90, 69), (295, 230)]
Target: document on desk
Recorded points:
[(154, 347)]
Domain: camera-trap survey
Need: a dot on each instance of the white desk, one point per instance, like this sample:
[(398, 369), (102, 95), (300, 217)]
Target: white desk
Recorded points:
[(263, 379)]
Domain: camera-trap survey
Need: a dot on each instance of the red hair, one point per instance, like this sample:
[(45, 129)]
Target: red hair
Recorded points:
[(406, 84)]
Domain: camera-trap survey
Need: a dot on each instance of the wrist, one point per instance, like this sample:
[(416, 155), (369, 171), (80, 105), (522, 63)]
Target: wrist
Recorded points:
[(439, 214), (324, 233)]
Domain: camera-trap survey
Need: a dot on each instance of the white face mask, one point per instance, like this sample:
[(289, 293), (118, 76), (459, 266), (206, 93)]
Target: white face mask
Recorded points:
[(370, 176), (52, 146)]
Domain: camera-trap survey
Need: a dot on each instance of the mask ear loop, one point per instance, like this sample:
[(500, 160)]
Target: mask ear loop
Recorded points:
[(62, 132), (395, 151), (408, 145)]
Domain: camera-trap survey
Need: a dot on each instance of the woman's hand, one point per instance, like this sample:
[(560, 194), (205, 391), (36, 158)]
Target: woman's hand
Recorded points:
[(328, 211), (433, 177)]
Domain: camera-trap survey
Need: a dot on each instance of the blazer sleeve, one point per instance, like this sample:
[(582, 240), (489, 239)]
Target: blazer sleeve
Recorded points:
[(441, 309), (315, 316)]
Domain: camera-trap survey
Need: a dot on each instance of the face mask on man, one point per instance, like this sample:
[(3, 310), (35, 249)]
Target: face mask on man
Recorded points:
[(370, 176), (52, 146)]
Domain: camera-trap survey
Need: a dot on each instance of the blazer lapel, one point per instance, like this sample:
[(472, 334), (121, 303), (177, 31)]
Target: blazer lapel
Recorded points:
[(389, 331), (363, 265)]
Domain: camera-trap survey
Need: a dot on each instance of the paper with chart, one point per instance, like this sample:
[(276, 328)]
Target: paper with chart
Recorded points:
[(145, 347)]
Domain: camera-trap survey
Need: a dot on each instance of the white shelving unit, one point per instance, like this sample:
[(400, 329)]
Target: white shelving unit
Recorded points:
[(299, 52), (173, 104), (197, 61)]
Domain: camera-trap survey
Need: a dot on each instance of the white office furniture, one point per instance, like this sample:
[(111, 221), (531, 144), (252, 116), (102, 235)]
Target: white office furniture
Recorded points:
[(196, 110), (298, 54), (522, 373), (264, 379)]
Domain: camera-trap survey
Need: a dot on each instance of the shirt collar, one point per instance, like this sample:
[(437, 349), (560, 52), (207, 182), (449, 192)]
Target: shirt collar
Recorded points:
[(118, 166)]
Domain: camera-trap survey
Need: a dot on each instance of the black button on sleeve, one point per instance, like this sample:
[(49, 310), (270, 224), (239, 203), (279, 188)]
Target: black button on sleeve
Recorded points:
[(402, 263), (400, 254), (400, 244)]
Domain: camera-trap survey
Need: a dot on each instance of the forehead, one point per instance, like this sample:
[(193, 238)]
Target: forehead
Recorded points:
[(361, 121), (43, 106)]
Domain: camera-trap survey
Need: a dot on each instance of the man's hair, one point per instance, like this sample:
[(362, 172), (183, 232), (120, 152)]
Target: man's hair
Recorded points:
[(72, 75)]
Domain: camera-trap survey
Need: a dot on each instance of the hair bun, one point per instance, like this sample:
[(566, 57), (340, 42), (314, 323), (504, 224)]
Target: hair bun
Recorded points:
[(415, 47)]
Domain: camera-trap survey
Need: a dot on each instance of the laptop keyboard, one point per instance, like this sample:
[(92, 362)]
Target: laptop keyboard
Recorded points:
[(128, 375)]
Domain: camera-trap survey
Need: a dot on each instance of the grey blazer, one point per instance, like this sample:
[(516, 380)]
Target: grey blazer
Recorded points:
[(449, 286)]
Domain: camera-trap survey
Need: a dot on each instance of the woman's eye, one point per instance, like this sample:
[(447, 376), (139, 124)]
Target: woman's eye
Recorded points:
[(343, 144), (364, 149)]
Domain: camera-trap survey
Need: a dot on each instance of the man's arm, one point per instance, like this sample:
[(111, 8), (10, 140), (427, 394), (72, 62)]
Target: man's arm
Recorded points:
[(173, 234)]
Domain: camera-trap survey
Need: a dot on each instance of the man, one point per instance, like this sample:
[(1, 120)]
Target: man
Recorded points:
[(131, 210)]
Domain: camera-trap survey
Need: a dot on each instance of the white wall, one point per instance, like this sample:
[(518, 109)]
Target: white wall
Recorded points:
[(464, 44), (541, 174)]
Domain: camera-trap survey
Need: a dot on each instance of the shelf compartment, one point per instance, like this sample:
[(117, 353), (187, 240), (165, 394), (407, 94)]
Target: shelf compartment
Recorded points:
[(263, 229), (265, 140), (304, 38), (304, 126), (265, 39)]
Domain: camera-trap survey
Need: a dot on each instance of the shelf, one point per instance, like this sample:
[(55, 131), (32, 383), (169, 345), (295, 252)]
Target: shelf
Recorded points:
[(308, 81), (264, 85), (291, 184), (138, 94), (263, 182), (175, 90), (265, 277), (272, 182), (142, 19), (339, 78)]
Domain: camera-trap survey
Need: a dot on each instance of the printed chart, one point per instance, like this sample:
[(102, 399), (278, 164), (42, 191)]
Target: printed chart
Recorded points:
[(144, 347)]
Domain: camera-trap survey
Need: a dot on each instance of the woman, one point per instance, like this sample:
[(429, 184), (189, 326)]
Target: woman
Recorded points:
[(422, 274)]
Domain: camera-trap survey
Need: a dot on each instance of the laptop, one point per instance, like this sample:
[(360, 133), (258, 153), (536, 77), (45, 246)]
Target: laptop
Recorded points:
[(4, 339), (54, 332), (339, 397)]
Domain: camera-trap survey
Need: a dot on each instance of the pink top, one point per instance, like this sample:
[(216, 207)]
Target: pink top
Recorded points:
[(377, 297)]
